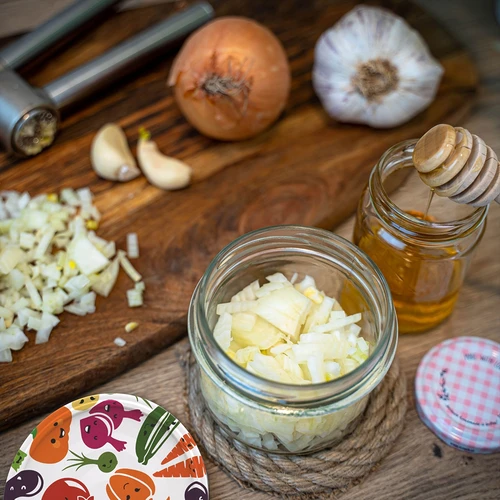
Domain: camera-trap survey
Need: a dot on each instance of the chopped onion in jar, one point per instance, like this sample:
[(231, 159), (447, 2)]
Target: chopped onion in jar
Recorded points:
[(290, 333), (222, 330), (247, 294)]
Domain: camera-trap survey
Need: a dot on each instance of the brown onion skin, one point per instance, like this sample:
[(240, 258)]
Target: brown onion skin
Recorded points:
[(244, 52)]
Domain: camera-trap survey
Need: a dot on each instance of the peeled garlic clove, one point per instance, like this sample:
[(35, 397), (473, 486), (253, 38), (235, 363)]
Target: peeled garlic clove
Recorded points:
[(110, 155), (161, 171), (373, 68)]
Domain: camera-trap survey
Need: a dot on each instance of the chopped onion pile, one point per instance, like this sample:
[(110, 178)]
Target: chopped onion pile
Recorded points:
[(293, 334), (52, 261)]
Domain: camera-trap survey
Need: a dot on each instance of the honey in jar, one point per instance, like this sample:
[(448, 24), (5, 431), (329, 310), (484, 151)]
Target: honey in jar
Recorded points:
[(423, 251)]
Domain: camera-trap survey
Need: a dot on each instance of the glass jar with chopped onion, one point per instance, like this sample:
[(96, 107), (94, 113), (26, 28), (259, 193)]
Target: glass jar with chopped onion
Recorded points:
[(292, 328)]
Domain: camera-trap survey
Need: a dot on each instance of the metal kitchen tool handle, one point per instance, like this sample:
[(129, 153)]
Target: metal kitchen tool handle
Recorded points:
[(126, 56), (62, 24), (29, 117)]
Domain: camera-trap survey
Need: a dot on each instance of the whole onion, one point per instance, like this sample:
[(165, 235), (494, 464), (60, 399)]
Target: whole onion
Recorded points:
[(231, 78)]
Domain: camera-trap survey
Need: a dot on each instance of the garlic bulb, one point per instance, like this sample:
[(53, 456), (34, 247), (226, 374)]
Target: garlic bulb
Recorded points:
[(373, 68)]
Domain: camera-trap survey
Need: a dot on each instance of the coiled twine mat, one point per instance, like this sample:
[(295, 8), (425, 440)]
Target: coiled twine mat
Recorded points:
[(326, 473)]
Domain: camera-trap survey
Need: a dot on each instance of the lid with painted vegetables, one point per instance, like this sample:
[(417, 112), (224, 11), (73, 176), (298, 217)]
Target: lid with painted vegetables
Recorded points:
[(458, 393), (108, 447)]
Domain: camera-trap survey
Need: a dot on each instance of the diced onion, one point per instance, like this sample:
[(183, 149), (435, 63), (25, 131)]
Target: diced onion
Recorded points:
[(277, 278), (267, 288), (222, 330), (134, 298), (307, 282), (10, 257), (247, 294), (132, 246), (76, 309), (5, 356), (236, 307), (86, 256), (104, 282), (128, 267), (50, 262), (285, 308)]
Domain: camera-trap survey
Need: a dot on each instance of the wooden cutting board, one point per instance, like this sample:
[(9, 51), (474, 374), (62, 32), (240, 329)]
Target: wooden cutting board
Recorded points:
[(307, 169)]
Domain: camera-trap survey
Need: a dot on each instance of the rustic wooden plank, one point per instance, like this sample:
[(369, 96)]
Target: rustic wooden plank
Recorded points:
[(304, 170)]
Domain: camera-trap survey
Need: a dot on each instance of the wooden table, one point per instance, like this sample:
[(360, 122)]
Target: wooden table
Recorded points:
[(420, 466)]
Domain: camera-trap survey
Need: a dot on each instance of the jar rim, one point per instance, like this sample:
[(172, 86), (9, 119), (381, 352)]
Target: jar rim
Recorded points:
[(236, 376), (408, 224)]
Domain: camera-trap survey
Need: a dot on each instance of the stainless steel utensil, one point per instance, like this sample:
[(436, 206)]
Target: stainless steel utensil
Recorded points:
[(29, 116)]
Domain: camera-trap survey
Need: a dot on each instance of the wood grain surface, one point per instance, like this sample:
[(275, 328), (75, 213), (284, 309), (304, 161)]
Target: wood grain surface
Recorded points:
[(420, 467), (304, 170)]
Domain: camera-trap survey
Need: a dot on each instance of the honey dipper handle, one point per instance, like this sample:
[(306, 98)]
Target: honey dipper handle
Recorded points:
[(458, 165), (434, 147)]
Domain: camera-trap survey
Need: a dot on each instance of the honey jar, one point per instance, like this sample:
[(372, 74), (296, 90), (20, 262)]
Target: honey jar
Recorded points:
[(423, 249)]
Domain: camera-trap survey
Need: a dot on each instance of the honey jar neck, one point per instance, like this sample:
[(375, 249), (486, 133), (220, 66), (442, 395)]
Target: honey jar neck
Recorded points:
[(381, 184)]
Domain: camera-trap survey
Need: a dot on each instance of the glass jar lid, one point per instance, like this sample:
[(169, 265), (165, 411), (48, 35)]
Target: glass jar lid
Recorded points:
[(457, 390)]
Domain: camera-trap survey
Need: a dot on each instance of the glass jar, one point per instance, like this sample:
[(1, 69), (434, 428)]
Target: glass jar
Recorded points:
[(423, 251), (271, 415)]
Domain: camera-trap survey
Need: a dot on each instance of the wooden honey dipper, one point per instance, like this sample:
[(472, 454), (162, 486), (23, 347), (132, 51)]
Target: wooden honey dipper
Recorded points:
[(458, 165)]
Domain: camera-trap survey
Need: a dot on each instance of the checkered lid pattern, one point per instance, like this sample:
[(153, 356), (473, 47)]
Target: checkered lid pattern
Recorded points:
[(458, 393)]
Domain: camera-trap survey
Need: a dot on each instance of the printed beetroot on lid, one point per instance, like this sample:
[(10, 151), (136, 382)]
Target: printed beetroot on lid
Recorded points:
[(457, 391)]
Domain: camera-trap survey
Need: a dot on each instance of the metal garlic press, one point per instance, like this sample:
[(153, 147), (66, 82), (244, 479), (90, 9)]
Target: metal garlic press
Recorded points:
[(29, 116)]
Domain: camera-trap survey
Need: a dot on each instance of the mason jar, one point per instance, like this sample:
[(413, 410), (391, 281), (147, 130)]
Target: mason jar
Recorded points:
[(422, 243), (274, 416)]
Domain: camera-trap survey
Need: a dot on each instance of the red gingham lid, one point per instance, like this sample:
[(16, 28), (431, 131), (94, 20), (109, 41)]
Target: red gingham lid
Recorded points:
[(457, 391)]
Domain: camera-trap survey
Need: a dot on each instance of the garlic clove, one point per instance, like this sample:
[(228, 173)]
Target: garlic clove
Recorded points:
[(110, 155), (373, 68), (162, 171)]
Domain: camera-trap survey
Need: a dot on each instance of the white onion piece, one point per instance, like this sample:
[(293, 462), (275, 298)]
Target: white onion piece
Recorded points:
[(128, 267), (134, 298), (5, 356), (132, 246)]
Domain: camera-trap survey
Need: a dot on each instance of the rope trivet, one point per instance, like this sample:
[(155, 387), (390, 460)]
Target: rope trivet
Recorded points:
[(328, 472)]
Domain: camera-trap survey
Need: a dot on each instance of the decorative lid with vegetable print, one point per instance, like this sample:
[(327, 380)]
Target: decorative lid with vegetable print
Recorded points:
[(457, 389), (108, 446)]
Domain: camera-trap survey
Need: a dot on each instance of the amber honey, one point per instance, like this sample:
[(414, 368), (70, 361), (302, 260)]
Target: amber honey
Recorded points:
[(424, 290), (423, 256)]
